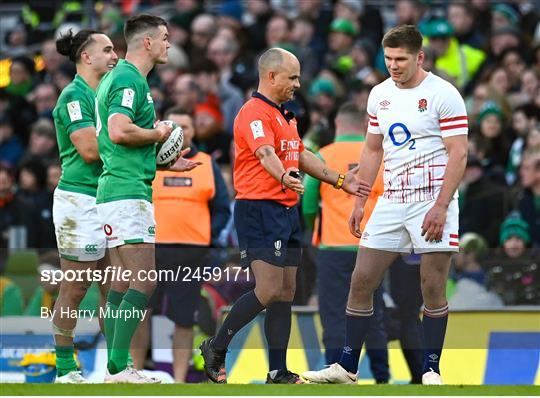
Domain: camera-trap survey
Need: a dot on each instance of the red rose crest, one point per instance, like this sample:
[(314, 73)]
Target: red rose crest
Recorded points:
[(422, 105)]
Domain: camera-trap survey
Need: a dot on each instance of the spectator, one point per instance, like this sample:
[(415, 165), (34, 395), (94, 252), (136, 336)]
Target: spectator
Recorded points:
[(323, 93), (259, 13), (366, 18), (64, 75), (21, 76), (504, 15), (461, 17), (303, 38), (278, 32), (363, 56), (227, 97), (482, 204), (44, 98), (31, 181), (11, 148), (501, 39), (51, 60), (470, 290), (530, 196), (223, 52), (530, 86), (514, 65), (16, 215), (492, 140), (203, 29), (210, 136), (340, 41), (230, 14), (524, 118), (459, 61), (409, 12), (42, 144), (515, 274), (186, 93)]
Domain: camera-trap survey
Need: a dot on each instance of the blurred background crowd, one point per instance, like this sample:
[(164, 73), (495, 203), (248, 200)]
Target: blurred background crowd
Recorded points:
[(489, 50)]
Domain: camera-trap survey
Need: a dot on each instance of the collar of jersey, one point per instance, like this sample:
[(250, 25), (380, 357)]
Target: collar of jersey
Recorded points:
[(349, 138), (287, 115), (80, 79)]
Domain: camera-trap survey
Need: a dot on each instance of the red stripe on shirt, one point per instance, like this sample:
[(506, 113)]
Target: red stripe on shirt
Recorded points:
[(372, 117), (455, 126), (374, 124), (454, 236), (452, 119), (453, 244)]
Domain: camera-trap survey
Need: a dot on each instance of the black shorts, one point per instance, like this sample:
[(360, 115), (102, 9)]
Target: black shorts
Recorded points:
[(268, 231), (178, 299)]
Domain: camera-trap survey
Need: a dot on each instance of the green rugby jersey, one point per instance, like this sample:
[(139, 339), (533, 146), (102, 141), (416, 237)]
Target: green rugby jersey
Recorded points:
[(127, 171), (74, 110)]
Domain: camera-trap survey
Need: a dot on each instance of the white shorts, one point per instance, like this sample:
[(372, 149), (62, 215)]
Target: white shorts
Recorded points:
[(79, 232), (397, 227), (127, 221)]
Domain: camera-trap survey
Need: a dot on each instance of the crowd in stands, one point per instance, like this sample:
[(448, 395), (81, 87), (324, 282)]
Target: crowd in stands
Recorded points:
[(489, 50)]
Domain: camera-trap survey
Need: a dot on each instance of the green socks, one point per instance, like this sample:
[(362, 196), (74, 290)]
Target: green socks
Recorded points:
[(65, 360), (130, 312), (114, 298)]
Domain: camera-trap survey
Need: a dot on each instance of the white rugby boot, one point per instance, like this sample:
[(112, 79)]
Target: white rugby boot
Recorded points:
[(129, 375), (332, 374), (431, 378), (73, 377)]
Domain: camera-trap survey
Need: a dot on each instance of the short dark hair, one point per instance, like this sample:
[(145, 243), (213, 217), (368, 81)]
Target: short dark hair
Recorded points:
[(176, 110), (72, 46), (351, 111), (142, 23), (204, 65), (407, 36)]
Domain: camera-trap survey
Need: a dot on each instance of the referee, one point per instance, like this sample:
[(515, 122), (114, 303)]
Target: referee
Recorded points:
[(268, 156)]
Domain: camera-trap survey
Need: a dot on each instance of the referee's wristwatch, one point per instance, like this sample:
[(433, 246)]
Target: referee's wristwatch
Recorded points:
[(339, 182)]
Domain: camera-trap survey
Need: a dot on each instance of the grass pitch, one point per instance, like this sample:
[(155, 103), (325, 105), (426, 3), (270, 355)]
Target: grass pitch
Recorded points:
[(258, 389)]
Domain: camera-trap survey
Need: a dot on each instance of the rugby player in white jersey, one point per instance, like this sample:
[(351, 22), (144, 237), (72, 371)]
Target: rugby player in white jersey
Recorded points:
[(418, 126)]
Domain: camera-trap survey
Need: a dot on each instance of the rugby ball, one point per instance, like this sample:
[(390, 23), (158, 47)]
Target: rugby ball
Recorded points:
[(167, 152)]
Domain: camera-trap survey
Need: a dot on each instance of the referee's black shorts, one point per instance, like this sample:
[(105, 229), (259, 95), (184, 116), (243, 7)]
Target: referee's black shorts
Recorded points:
[(268, 231)]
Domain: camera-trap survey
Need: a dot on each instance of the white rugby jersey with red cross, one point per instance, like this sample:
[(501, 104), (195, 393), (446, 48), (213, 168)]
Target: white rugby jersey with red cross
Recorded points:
[(414, 122)]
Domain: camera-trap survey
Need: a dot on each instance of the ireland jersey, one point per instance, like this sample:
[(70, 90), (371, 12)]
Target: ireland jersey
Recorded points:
[(74, 110), (127, 171)]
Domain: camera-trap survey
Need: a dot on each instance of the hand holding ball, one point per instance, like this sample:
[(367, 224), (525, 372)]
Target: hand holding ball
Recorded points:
[(167, 152)]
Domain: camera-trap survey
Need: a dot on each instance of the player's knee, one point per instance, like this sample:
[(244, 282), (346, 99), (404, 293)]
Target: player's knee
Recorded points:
[(268, 294), (75, 291), (149, 287), (432, 290), (362, 283), (287, 293)]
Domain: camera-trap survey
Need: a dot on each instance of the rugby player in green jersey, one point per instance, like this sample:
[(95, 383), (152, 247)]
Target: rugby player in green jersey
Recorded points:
[(127, 142), (79, 231)]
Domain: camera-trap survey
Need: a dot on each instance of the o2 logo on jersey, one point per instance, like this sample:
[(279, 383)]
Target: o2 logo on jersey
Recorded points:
[(401, 129)]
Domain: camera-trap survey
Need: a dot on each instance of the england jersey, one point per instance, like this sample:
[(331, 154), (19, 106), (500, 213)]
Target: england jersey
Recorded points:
[(413, 123)]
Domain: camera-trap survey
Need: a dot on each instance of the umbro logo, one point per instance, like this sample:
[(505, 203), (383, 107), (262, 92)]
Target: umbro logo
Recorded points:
[(433, 357), (347, 350), (384, 104)]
